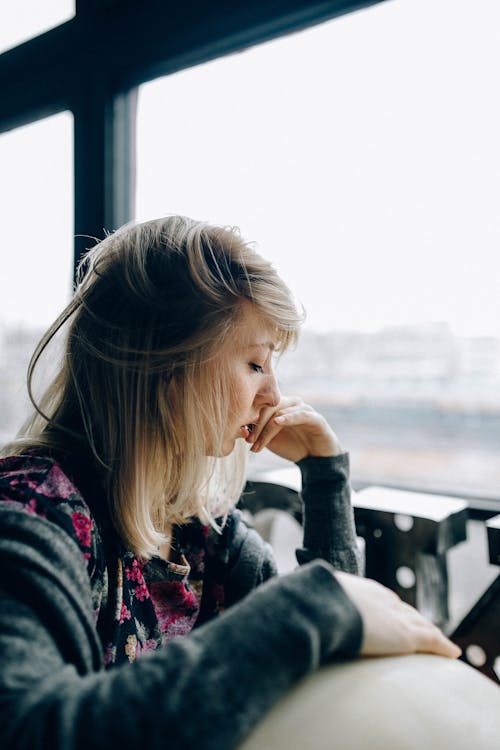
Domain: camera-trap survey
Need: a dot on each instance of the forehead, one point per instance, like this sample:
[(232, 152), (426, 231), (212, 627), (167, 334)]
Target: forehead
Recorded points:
[(252, 330)]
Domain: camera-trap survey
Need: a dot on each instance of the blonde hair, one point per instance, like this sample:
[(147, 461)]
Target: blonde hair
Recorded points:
[(140, 387)]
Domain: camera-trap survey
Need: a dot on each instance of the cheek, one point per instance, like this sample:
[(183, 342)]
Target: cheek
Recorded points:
[(242, 394)]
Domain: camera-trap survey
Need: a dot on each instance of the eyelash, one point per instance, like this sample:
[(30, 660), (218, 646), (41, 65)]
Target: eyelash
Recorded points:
[(257, 368)]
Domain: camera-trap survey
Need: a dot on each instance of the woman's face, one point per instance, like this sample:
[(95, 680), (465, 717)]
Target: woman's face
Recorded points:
[(253, 384)]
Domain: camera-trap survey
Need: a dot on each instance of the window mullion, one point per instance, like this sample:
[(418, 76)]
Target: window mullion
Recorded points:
[(104, 164)]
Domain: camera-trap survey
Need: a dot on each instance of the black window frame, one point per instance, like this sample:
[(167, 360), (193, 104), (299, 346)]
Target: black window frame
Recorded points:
[(92, 65)]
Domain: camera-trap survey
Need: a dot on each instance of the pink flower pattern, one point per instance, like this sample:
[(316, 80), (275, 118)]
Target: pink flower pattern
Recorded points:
[(125, 614), (83, 528), (156, 601), (176, 607)]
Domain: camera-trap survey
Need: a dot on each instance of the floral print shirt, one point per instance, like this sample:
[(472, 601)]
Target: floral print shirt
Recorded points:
[(138, 606)]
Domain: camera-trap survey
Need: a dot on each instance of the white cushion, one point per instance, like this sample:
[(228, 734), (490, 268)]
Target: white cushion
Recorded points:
[(417, 702)]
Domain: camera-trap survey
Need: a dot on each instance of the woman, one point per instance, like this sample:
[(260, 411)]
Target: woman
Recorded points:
[(131, 604)]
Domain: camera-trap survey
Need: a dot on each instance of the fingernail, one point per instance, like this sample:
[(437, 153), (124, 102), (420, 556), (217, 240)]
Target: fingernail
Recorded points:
[(279, 420)]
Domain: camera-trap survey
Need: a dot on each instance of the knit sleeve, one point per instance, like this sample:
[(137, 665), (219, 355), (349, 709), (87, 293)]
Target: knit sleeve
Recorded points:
[(329, 531), (205, 690)]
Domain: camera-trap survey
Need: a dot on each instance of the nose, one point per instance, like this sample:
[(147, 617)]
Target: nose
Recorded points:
[(269, 392)]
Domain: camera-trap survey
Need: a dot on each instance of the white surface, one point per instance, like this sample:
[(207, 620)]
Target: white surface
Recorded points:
[(283, 533), (289, 477), (397, 703), (388, 499), (494, 523), (417, 504)]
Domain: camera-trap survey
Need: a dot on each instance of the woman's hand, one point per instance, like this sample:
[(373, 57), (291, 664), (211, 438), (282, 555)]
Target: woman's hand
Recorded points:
[(294, 430), (390, 625)]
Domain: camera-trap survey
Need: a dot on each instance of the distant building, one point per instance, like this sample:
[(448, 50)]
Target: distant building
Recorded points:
[(419, 362)]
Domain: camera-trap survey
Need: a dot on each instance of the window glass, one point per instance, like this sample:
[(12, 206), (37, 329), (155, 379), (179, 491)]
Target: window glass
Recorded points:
[(363, 157), (36, 188), (23, 19)]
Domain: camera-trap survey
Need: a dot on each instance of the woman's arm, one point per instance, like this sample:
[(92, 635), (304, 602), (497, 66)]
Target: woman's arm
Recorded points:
[(297, 432), (329, 531), (206, 690), (294, 430)]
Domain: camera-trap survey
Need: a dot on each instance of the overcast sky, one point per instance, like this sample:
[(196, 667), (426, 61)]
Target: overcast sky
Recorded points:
[(362, 156)]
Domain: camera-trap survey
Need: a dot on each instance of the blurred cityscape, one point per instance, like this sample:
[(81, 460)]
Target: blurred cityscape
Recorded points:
[(16, 347), (416, 406)]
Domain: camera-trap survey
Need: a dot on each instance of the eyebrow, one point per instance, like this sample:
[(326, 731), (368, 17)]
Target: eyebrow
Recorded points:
[(262, 345)]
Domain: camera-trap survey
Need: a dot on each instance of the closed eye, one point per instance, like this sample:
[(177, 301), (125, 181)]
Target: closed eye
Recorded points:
[(257, 368)]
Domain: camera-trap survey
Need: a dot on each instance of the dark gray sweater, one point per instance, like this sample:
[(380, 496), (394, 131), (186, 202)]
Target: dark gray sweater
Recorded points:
[(205, 690)]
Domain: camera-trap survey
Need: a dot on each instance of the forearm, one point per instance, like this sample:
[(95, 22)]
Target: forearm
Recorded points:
[(205, 691), (329, 531)]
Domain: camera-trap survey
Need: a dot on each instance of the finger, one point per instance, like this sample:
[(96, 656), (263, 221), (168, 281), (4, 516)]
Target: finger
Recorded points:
[(431, 640), (291, 417), (266, 436), (269, 413), (298, 416), (266, 420), (426, 636)]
